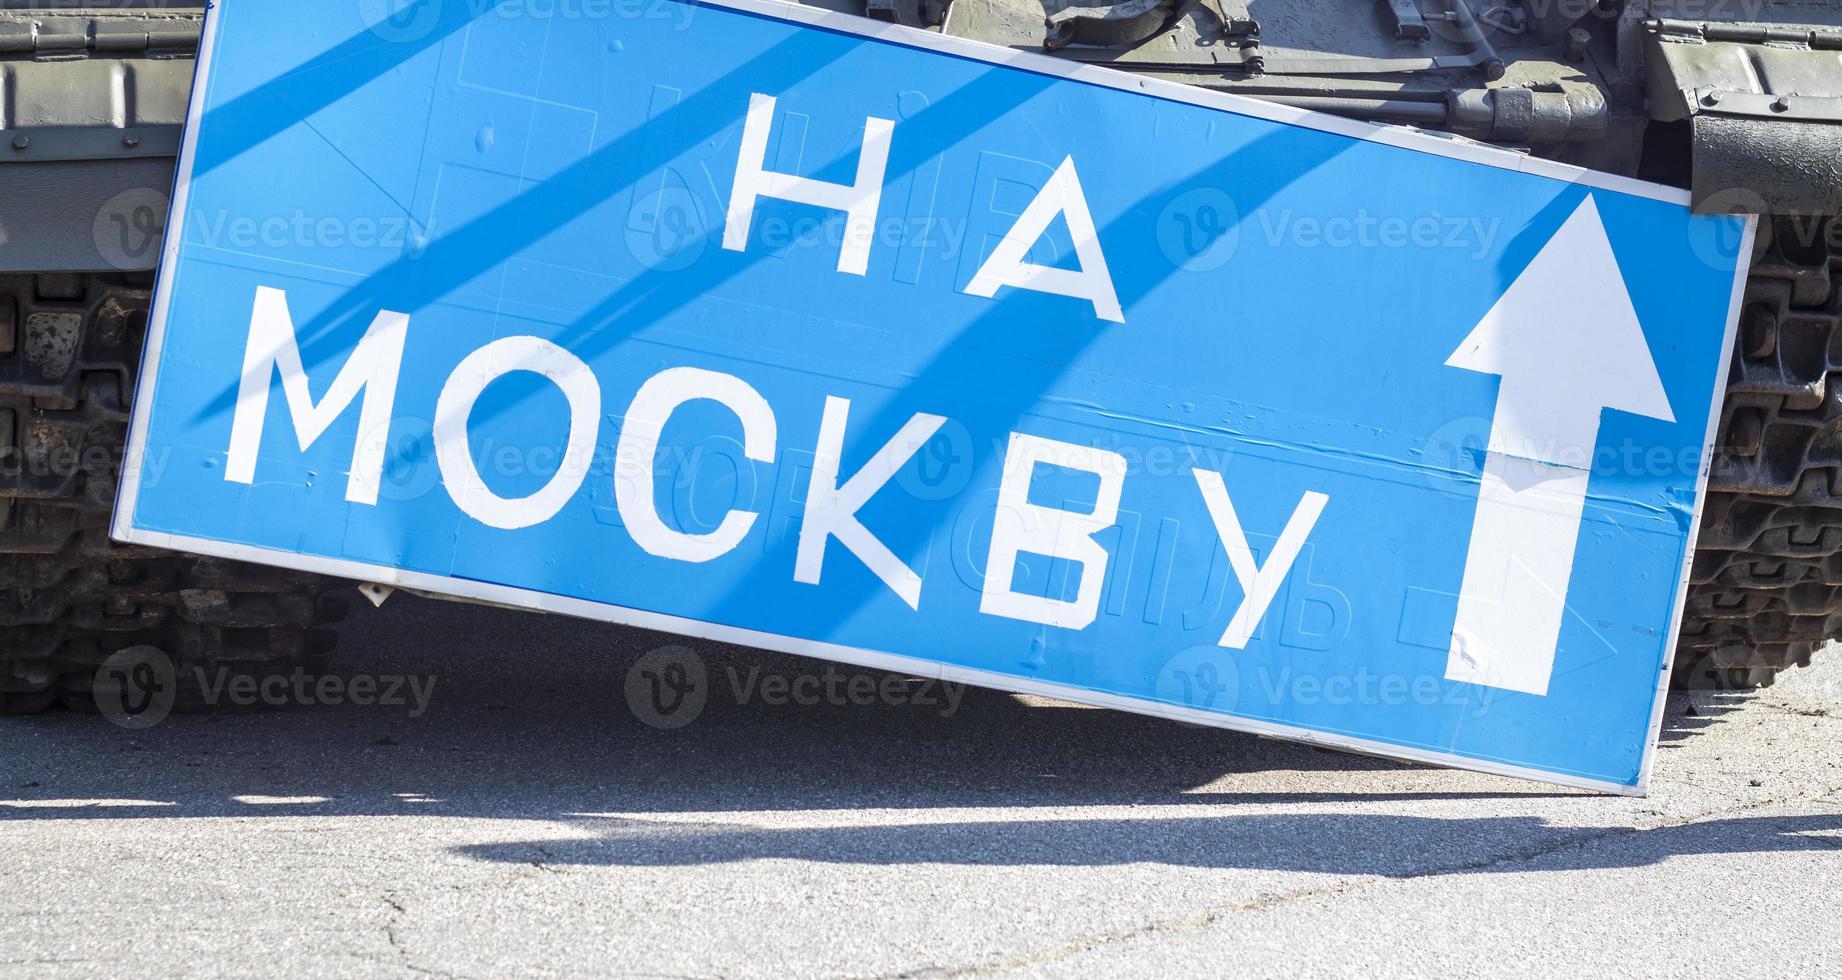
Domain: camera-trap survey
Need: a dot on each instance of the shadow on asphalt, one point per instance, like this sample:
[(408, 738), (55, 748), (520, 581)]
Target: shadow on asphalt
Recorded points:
[(1340, 844), (529, 719), (1708, 709)]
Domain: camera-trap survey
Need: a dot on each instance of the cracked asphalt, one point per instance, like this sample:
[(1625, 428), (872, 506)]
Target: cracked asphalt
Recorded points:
[(529, 823)]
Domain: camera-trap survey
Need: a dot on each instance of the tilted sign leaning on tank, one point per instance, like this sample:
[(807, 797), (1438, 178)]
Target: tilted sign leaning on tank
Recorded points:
[(773, 326)]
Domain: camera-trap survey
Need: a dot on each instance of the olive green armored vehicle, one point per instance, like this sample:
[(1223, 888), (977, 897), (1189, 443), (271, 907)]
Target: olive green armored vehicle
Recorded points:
[(1738, 101)]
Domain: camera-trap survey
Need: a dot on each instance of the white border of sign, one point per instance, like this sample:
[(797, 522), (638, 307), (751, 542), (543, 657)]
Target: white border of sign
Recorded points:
[(123, 529)]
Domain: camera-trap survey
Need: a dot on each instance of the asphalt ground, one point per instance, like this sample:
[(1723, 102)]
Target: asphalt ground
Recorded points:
[(507, 812)]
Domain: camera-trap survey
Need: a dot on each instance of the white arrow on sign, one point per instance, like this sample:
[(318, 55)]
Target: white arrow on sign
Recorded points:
[(1566, 342)]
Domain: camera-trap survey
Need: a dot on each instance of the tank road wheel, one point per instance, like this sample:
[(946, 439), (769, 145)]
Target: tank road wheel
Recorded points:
[(1766, 589), (70, 599)]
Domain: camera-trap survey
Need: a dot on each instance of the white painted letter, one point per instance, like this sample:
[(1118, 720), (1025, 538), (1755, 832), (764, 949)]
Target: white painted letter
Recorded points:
[(657, 399), (831, 510), (1021, 526), (272, 348), (455, 405), (1007, 265), (858, 200), (1259, 585)]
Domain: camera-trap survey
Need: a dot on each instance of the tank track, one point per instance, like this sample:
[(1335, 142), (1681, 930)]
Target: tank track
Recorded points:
[(1766, 588), (70, 348)]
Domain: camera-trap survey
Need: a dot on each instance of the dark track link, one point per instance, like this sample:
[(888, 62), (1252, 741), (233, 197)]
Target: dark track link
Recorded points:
[(70, 347), (1766, 588)]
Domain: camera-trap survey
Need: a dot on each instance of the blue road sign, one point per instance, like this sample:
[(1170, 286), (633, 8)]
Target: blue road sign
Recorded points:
[(777, 326)]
